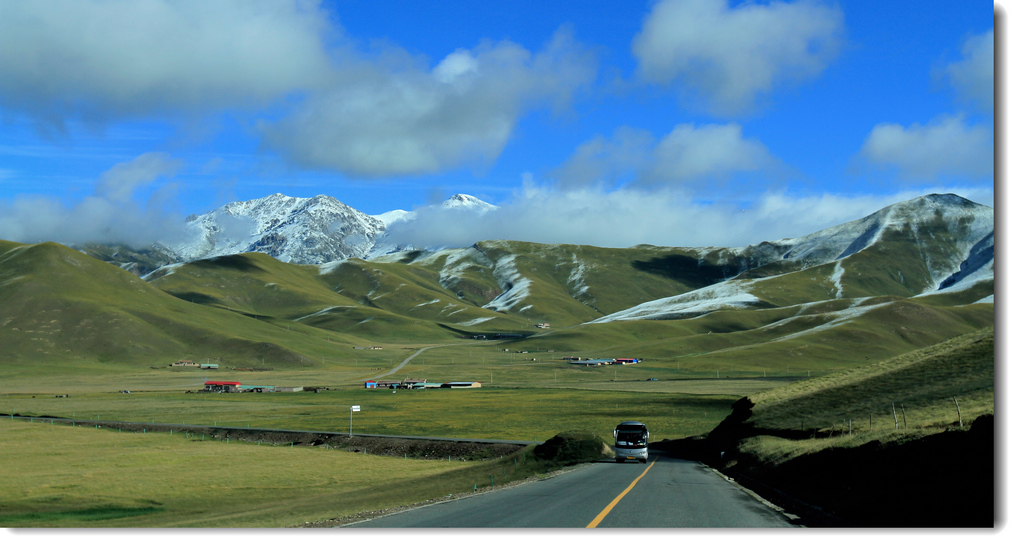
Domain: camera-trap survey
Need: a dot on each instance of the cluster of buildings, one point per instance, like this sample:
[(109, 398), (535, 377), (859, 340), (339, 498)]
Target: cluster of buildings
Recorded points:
[(217, 386), (410, 383), (600, 362), (214, 386), (189, 363)]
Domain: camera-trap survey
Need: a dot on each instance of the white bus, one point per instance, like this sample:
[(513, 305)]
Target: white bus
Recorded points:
[(631, 441)]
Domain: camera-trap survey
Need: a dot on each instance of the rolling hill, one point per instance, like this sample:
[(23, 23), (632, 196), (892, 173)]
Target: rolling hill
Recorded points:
[(911, 275)]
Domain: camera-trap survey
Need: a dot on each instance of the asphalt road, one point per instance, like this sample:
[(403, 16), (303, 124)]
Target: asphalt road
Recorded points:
[(666, 492)]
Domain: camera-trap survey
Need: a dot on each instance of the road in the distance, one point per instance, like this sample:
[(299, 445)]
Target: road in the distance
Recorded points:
[(673, 493)]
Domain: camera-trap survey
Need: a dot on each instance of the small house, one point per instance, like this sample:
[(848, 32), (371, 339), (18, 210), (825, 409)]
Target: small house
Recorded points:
[(256, 388), (461, 385), (222, 387)]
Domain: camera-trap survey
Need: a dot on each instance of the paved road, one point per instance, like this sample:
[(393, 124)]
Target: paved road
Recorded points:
[(666, 492)]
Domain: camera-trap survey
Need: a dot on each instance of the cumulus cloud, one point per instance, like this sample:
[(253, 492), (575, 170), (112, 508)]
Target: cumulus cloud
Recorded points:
[(730, 57), (687, 155), (973, 77), (102, 60), (628, 216), (120, 182), (946, 147), (395, 115), (712, 151), (110, 216)]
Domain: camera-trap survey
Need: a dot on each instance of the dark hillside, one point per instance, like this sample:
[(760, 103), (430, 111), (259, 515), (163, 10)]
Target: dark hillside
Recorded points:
[(909, 442)]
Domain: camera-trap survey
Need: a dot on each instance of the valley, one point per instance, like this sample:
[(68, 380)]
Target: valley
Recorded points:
[(709, 326)]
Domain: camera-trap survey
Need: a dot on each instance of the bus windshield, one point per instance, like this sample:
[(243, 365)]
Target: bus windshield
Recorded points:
[(631, 435)]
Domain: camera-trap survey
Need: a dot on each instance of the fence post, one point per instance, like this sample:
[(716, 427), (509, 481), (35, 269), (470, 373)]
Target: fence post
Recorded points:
[(894, 420)]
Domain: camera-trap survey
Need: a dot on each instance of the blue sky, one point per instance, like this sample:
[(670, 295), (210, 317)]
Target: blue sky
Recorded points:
[(675, 122)]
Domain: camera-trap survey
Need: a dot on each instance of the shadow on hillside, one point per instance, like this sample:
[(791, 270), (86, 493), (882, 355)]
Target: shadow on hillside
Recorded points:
[(942, 480), (686, 269)]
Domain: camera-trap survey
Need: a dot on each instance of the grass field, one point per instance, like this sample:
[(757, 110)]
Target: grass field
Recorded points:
[(515, 414), (88, 477), (60, 476)]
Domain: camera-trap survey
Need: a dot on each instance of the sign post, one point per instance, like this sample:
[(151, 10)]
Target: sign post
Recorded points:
[(354, 409)]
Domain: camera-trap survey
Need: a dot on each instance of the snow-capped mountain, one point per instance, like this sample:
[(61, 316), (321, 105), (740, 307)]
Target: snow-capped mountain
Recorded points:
[(301, 230), (951, 240), (457, 202), (467, 202)]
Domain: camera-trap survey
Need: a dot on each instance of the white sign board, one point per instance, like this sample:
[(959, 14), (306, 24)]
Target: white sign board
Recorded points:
[(355, 408)]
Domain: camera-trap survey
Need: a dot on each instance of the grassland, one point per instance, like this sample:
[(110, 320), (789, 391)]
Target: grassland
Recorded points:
[(87, 477), (59, 476)]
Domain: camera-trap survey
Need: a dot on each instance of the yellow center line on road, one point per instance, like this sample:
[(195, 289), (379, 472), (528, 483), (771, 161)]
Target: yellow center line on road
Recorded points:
[(607, 509)]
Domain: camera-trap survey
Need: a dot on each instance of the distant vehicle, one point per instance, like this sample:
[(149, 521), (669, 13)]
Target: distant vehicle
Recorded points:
[(652, 379), (630, 441)]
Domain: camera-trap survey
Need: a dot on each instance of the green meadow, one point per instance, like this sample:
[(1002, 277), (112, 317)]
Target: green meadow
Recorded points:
[(62, 476)]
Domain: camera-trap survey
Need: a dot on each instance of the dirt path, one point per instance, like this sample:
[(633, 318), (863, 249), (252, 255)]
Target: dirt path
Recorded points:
[(406, 361)]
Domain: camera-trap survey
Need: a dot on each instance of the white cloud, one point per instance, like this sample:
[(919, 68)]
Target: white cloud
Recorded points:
[(667, 216), (946, 147), (102, 60), (606, 161), (394, 115), (733, 56), (33, 219), (712, 151), (110, 216), (973, 78), (688, 154), (120, 182)]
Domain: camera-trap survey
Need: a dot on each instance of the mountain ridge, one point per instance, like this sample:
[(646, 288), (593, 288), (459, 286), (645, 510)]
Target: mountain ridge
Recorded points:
[(921, 270)]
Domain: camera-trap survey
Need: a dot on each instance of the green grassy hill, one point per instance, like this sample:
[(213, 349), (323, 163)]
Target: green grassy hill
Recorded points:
[(784, 308), (919, 426), (58, 305)]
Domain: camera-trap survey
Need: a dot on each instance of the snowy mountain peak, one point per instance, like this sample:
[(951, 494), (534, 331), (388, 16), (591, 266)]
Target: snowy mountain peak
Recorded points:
[(300, 230), (461, 201), (290, 229)]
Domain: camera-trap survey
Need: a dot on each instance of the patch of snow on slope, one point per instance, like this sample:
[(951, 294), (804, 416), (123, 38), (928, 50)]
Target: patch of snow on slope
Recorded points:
[(435, 301), (985, 272), (577, 279), (708, 299), (517, 287), (476, 321), (327, 268), (454, 266), (837, 276), (163, 271), (321, 312), (840, 317)]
